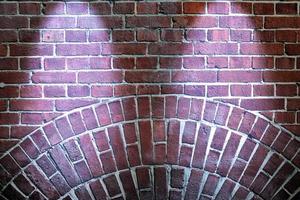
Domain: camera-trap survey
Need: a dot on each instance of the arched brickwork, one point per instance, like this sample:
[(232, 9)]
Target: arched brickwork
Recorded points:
[(199, 100), (118, 138)]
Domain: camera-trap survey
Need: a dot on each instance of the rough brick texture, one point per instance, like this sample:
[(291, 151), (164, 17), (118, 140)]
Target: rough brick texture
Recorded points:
[(149, 99)]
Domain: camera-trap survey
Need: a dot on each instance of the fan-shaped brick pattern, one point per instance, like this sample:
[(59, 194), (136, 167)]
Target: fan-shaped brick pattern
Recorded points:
[(135, 148)]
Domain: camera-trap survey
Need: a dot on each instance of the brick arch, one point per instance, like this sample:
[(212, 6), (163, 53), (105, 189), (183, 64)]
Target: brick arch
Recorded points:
[(141, 131)]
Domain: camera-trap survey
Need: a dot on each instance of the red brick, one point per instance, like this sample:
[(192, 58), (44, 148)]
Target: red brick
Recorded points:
[(100, 8), (282, 22), (286, 8), (148, 21), (226, 190), (237, 169), (97, 190), (120, 48), (170, 8), (9, 92), (11, 193), (263, 36), (143, 177), (73, 150), (195, 76), (264, 49), (128, 185), (112, 185), (54, 77), (30, 8), (93, 22), (170, 49), (263, 8), (193, 7), (259, 182), (30, 149), (52, 22), (31, 50), (147, 35), (99, 35), (171, 89), (8, 63), (215, 48), (228, 155), (157, 107), (212, 161), (82, 193), (218, 7), (104, 77), (195, 35), (146, 63), (75, 36), (53, 36), (101, 141), (108, 162), (29, 36), (240, 76), (185, 156), (194, 22), (263, 104), (211, 184), (23, 184), (240, 35), (77, 49), (193, 185), (129, 106), (160, 183), (147, 8), (118, 147), (60, 184), (277, 181), (177, 177), (146, 142), (77, 8), (281, 141), (254, 165), (133, 155), (218, 90), (241, 22), (13, 22), (90, 155), (44, 185), (247, 149), (147, 76), (241, 7), (200, 148), (183, 108), (19, 155), (123, 8), (8, 8), (173, 142), (122, 35), (9, 118), (116, 111), (291, 148), (193, 62), (32, 105)]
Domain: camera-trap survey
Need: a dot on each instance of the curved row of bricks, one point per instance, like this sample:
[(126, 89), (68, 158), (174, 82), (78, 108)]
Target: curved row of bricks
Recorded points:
[(130, 132)]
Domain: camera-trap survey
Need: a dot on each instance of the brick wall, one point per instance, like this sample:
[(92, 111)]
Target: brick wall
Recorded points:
[(150, 100)]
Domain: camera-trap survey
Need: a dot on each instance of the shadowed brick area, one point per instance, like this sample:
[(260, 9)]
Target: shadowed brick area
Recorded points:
[(147, 157), (149, 99)]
